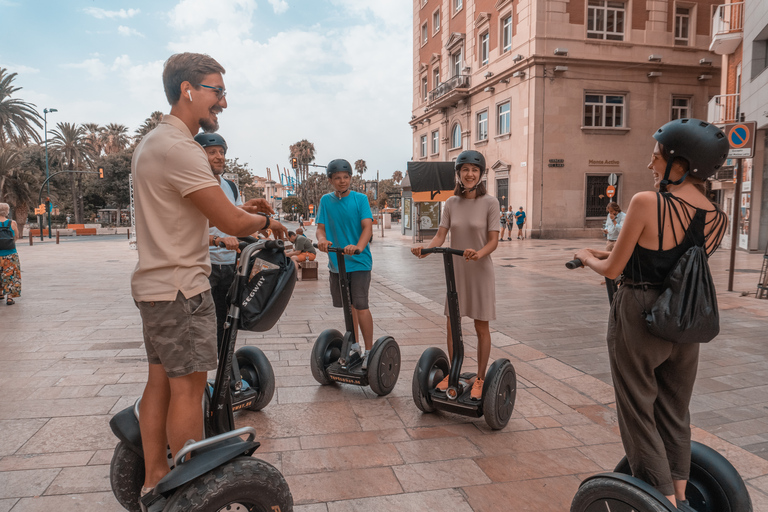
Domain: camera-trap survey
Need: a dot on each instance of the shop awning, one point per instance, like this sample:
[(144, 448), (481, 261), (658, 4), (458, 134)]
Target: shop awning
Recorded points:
[(431, 181)]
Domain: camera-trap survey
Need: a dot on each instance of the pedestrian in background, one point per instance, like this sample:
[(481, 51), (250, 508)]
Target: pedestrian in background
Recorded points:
[(613, 223), (503, 223), (10, 268), (520, 219)]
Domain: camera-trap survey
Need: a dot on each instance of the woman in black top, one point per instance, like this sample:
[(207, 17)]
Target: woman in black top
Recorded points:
[(653, 378)]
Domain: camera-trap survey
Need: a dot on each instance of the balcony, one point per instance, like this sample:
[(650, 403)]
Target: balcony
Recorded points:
[(723, 109), (449, 92), (727, 28)]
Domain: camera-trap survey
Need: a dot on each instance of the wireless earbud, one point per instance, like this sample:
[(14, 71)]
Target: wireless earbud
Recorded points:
[(189, 93)]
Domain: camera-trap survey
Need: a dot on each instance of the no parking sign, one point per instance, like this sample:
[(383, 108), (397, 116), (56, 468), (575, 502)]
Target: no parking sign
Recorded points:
[(741, 137)]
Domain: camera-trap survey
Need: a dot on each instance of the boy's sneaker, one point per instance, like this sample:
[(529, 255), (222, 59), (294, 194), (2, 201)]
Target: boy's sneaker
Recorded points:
[(443, 385), (365, 359), (151, 504), (477, 389)]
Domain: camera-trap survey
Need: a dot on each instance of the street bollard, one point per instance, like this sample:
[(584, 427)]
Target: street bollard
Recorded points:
[(57, 236), (30, 237), (129, 233)]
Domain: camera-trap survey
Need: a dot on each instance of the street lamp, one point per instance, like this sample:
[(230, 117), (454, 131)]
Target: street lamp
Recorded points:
[(45, 120)]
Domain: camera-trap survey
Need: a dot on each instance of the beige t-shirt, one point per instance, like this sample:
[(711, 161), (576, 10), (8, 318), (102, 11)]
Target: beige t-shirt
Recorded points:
[(171, 234)]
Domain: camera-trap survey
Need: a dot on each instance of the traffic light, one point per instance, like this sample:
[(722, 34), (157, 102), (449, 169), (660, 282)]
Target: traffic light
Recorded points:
[(295, 163), (101, 172), (47, 204)]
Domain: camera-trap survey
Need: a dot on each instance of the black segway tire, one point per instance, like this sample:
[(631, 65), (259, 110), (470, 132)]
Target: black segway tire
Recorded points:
[(257, 372), (384, 365), (499, 393), (326, 350), (714, 485), (245, 481), (601, 494), (126, 476), (432, 368)]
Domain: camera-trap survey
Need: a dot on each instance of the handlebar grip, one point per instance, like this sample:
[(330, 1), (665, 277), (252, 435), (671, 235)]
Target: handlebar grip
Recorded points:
[(449, 250), (337, 250), (575, 263), (274, 244)]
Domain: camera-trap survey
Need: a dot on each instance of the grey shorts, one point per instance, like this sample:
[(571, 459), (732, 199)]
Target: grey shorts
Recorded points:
[(180, 335), (359, 284)]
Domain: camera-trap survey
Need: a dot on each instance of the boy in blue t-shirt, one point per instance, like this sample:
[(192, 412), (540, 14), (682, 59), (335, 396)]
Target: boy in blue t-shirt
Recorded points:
[(345, 220)]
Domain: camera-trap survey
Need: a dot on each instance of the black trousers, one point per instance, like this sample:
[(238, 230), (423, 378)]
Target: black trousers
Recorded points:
[(221, 279)]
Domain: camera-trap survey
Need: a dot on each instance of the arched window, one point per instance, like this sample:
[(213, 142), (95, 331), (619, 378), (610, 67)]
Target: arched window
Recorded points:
[(456, 136)]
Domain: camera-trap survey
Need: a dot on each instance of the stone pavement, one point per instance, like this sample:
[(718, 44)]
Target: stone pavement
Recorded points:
[(71, 356)]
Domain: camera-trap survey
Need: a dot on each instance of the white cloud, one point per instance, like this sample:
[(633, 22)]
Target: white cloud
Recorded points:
[(232, 17), (94, 67), (279, 6), (128, 31), (100, 13), (389, 11), (21, 69)]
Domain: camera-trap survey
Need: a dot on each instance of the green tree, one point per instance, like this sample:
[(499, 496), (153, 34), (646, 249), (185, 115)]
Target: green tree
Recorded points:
[(293, 205), (114, 138), (317, 185), (360, 167), (70, 145), (397, 177), (304, 152), (93, 134), (388, 188), (114, 190), (17, 117), (246, 179), (148, 125), (18, 184)]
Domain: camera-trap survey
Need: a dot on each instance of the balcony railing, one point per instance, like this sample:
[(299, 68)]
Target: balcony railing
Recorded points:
[(443, 88), (727, 28), (723, 108)]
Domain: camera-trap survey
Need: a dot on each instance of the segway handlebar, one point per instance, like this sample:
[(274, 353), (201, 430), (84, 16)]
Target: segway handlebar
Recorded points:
[(449, 250), (575, 263), (338, 250), (245, 241)]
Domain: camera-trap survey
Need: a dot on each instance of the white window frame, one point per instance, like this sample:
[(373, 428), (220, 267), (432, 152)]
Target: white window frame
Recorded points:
[(435, 77), (481, 122), (689, 17), (457, 62), (424, 88), (503, 119), (456, 130), (604, 108), (436, 21), (506, 33), (424, 34), (485, 45), (457, 6), (423, 144), (435, 142), (600, 11), (681, 111)]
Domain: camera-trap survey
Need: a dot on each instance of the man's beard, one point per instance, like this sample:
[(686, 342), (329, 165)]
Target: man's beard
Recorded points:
[(208, 126)]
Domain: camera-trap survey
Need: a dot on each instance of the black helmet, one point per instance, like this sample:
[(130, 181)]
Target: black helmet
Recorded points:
[(211, 139), (470, 156), (338, 165), (703, 145)]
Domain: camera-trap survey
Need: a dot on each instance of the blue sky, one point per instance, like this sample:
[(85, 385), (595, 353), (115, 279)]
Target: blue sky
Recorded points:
[(336, 72)]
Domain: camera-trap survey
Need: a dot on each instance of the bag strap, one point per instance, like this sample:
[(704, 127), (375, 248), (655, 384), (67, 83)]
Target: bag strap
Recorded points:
[(234, 188)]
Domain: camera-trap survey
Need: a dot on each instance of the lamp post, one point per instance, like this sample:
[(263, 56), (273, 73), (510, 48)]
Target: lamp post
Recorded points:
[(45, 121)]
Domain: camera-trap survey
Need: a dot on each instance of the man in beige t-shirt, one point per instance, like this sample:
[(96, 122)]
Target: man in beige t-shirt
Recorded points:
[(176, 198)]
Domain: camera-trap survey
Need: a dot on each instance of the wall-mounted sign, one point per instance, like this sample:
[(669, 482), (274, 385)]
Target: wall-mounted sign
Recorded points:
[(556, 162), (741, 137), (603, 162)]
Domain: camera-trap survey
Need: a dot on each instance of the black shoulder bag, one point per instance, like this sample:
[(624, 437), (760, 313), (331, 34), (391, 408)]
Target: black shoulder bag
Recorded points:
[(686, 311)]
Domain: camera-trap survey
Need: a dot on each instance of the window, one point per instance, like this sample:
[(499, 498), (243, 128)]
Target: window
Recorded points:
[(502, 125), (681, 108), (457, 5), (506, 34), (435, 142), (605, 20), (604, 110), (759, 54), (423, 146), (502, 191), (596, 200), (682, 24), (436, 21), (424, 88), (484, 49), (435, 77), (482, 125), (424, 34), (456, 63), (456, 136)]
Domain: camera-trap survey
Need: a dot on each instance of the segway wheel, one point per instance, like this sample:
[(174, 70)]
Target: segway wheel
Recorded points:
[(602, 494), (384, 365), (257, 372), (243, 483), (714, 485), (499, 393), (126, 476), (430, 370), (327, 349)]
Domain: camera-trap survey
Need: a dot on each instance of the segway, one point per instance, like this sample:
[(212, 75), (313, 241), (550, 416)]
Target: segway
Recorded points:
[(499, 387), (336, 356), (219, 473), (714, 485)]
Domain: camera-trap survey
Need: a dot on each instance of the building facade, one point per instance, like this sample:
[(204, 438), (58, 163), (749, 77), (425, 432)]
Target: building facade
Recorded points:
[(561, 96)]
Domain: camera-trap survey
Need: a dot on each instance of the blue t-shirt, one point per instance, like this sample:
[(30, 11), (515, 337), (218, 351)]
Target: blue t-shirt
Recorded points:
[(7, 252), (520, 217), (342, 219)]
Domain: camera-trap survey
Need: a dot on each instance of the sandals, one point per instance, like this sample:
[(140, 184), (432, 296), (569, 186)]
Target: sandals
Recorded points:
[(10, 301)]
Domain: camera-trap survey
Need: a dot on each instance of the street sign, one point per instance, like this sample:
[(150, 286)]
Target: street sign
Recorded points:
[(612, 179), (610, 191), (311, 207), (741, 137)]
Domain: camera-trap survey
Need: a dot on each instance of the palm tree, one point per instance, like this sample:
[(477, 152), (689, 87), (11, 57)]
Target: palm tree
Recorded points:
[(93, 134), (360, 167), (17, 117), (10, 161), (69, 143), (20, 190), (304, 152), (397, 177), (114, 138), (149, 124)]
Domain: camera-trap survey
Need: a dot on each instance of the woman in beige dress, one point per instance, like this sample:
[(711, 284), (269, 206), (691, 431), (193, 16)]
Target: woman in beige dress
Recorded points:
[(471, 216)]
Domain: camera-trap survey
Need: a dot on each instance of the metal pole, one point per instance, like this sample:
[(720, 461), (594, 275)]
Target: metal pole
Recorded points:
[(735, 218), (45, 121)]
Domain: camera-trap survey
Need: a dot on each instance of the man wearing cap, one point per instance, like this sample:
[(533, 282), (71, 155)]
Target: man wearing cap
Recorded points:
[(222, 258)]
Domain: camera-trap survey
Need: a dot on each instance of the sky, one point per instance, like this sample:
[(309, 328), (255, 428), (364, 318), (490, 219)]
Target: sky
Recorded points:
[(335, 72)]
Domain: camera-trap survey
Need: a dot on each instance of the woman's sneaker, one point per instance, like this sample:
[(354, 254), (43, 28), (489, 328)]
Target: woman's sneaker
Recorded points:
[(477, 389), (443, 384)]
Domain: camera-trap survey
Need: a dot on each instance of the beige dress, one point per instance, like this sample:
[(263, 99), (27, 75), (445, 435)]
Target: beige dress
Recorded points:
[(469, 221)]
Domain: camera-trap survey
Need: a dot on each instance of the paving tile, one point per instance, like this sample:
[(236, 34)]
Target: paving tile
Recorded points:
[(72, 434), (7, 504), (301, 420), (607, 456), (317, 393), (40, 461), (429, 450), (446, 499), (544, 495), (339, 440), (376, 414), (17, 432), (60, 407), (428, 476), (32, 482), (80, 480), (95, 502), (343, 485), (525, 441), (537, 464), (339, 458)]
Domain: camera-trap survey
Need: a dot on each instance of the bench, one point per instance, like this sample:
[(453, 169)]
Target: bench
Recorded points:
[(85, 231), (36, 232), (308, 270)]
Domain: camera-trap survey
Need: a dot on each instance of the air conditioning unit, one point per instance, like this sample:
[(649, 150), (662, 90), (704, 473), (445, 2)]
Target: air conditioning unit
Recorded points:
[(705, 77), (705, 62), (654, 58), (518, 74), (488, 89), (561, 51), (559, 69), (488, 74), (517, 58), (654, 74)]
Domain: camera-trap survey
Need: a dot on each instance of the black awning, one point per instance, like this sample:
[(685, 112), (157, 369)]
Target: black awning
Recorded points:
[(431, 176)]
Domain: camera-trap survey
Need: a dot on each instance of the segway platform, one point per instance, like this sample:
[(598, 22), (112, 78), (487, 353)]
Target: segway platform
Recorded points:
[(464, 404), (352, 373)]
